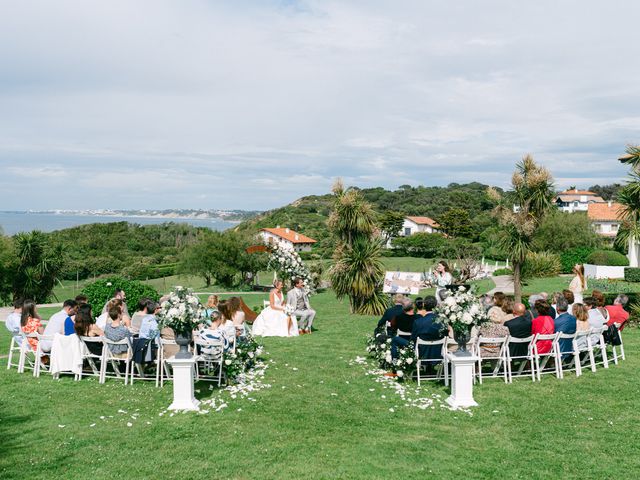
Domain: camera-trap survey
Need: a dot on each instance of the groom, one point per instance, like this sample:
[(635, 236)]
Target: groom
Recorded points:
[(299, 300)]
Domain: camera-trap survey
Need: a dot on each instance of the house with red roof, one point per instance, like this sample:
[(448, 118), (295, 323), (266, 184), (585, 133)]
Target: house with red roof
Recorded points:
[(576, 200), (606, 218), (413, 225), (287, 238)]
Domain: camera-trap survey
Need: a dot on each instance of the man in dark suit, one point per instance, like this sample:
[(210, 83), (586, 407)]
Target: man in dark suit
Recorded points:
[(390, 314), (426, 327), (403, 322), (519, 327), (565, 323)]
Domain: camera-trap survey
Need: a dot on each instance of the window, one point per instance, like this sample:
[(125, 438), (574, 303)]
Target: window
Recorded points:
[(407, 231), (614, 227)]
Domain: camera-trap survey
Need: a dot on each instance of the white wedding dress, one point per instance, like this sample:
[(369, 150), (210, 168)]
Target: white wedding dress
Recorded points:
[(274, 323)]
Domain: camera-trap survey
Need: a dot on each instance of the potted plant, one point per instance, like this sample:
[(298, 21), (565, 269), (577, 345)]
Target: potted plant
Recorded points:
[(461, 311), (183, 313)]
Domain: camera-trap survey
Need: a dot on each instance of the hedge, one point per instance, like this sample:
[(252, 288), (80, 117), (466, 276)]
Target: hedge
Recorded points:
[(609, 258), (101, 291), (573, 257), (632, 274)]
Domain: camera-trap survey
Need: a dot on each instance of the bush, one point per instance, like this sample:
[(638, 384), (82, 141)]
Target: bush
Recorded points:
[(541, 264), (425, 245), (101, 291), (502, 271), (632, 274), (608, 258), (574, 256)]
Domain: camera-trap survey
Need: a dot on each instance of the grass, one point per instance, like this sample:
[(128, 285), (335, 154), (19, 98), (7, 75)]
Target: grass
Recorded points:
[(573, 428)]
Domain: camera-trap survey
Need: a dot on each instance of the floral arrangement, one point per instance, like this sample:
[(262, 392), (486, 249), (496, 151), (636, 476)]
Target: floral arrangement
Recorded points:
[(243, 359), (379, 347), (461, 311), (181, 311), (289, 265)]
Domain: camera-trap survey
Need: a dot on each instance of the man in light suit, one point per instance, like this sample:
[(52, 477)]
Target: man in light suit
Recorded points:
[(299, 300)]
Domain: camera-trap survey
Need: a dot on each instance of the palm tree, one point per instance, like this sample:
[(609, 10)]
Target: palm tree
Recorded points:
[(39, 264), (520, 213), (629, 197), (357, 271)]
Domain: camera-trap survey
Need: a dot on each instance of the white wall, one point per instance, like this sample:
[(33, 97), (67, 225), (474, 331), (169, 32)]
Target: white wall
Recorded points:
[(601, 271)]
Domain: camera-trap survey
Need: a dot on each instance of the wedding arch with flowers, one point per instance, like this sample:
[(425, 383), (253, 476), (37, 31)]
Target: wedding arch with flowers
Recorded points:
[(288, 265)]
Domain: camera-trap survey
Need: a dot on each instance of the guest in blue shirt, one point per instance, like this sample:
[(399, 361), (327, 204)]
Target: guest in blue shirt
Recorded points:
[(426, 327), (565, 323), (149, 327)]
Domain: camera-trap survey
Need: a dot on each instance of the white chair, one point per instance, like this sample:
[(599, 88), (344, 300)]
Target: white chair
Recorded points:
[(440, 362), (403, 334), (210, 361), (90, 357), (573, 355), (498, 356), (614, 348), (162, 372), (597, 345), (14, 348), (27, 357), (138, 369), (523, 359), (39, 365), (110, 359), (552, 354)]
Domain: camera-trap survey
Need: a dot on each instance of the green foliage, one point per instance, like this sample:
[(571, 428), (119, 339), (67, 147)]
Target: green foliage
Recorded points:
[(357, 271), (541, 264), (491, 242), (8, 265), (632, 274), (607, 192), (426, 245), (573, 257), (221, 256), (456, 223), (561, 231), (608, 257), (502, 271), (101, 291), (39, 264), (629, 197), (390, 223)]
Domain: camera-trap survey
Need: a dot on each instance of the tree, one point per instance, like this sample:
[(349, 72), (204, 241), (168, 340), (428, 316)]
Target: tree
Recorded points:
[(629, 197), (8, 265), (356, 271), (456, 223), (426, 245), (561, 231), (390, 223), (607, 192), (520, 212), (39, 264)]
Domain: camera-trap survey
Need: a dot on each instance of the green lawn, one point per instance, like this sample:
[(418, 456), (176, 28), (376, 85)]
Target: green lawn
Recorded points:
[(323, 418)]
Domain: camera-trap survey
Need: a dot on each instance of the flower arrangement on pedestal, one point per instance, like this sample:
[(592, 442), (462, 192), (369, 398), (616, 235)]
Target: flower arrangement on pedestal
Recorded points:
[(461, 311), (183, 313), (403, 367), (288, 264)]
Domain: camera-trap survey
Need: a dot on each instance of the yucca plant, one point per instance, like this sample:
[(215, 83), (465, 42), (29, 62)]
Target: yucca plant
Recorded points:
[(356, 271), (520, 211), (629, 197)]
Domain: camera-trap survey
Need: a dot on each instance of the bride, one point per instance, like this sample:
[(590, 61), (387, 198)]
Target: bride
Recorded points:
[(273, 321)]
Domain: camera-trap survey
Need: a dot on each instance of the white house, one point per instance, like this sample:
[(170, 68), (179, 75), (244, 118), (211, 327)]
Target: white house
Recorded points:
[(576, 200), (413, 225), (287, 238), (606, 218)]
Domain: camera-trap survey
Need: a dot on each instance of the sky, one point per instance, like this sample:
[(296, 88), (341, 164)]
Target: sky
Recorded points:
[(251, 105)]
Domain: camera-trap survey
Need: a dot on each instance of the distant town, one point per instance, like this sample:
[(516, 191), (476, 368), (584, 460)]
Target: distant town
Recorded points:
[(226, 215)]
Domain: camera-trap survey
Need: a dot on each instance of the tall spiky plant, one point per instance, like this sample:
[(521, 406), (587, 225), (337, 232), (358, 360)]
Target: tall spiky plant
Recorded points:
[(629, 197), (520, 213), (356, 272)]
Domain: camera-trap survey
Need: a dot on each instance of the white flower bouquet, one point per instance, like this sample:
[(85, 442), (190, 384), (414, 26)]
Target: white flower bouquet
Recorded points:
[(461, 311), (289, 265), (182, 311)]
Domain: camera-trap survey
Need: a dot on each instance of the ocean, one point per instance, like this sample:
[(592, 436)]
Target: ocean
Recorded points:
[(12, 223)]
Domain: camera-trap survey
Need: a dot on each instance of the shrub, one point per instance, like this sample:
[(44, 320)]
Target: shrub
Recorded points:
[(101, 291), (502, 271), (608, 258), (541, 264), (632, 274), (574, 256)]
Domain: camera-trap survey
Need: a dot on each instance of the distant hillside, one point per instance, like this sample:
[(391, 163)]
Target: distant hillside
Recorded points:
[(309, 215)]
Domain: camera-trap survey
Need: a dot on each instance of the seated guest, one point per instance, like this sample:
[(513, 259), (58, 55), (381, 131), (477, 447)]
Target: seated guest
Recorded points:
[(598, 296), (102, 320), (507, 308), (554, 300), (390, 313), (570, 298), (543, 325), (596, 320), (519, 327), (565, 323), (403, 322), (581, 313), (212, 305), (118, 294), (141, 312), (236, 314), (57, 322), (494, 328), (495, 313), (426, 327), (116, 330), (85, 326), (30, 322), (532, 305), (617, 313), (70, 322), (149, 325), (13, 319), (81, 299), (552, 310), (486, 301), (227, 322), (214, 333)]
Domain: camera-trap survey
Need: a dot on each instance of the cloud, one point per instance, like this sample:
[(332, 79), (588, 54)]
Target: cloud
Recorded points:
[(251, 105)]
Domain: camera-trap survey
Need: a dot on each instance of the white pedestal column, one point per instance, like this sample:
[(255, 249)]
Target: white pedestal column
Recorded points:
[(183, 369), (462, 380)]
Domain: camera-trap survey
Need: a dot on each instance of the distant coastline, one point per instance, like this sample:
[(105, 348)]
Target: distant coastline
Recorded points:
[(233, 216)]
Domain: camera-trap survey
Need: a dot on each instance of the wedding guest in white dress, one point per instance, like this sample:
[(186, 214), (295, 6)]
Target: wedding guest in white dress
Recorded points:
[(274, 321), (579, 284), (441, 277)]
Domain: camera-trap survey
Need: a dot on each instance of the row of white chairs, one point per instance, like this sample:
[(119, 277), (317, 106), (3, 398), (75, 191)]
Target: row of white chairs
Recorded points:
[(98, 364), (589, 349)]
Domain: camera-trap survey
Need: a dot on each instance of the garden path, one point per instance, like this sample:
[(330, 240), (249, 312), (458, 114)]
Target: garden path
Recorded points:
[(504, 283)]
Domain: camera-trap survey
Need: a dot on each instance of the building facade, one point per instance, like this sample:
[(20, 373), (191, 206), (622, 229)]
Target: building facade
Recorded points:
[(414, 225), (576, 200), (287, 238), (606, 218)]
